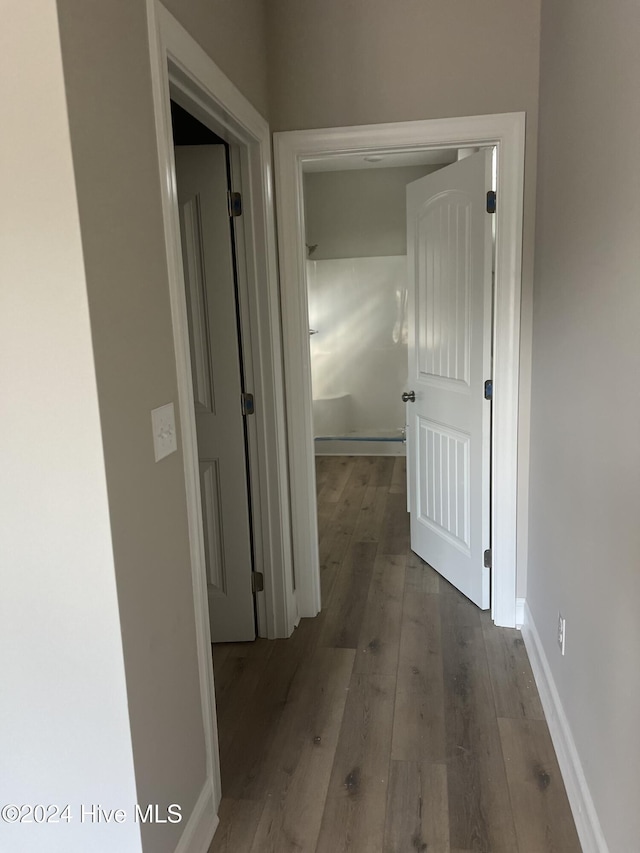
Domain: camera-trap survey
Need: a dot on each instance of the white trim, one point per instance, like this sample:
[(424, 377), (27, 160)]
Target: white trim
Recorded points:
[(199, 85), (181, 69), (292, 149), (160, 85), (201, 826), (580, 800), (520, 605)]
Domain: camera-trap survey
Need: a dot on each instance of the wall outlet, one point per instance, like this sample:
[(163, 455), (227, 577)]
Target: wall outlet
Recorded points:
[(562, 632)]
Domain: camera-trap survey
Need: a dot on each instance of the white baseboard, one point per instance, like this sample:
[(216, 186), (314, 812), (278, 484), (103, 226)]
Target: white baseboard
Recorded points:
[(584, 812), (520, 603), (202, 823)]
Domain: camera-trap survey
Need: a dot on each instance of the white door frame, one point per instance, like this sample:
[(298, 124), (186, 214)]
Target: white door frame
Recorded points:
[(292, 150), (181, 70)]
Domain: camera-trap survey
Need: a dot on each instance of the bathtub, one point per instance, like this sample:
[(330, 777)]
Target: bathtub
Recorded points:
[(332, 415), (335, 436)]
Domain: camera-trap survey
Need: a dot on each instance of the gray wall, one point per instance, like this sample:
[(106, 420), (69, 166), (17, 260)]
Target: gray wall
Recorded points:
[(113, 141), (585, 448), (335, 63), (359, 213), (232, 32), (108, 86)]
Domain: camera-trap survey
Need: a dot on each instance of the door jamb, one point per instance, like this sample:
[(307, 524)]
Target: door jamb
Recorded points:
[(181, 69), (292, 149)]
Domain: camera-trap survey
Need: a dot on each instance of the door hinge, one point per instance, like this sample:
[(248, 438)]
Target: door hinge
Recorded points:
[(491, 201), (234, 202), (487, 558), (488, 389), (248, 406), (257, 582)]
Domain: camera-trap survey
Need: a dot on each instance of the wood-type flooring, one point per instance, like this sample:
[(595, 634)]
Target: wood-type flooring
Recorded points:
[(398, 720)]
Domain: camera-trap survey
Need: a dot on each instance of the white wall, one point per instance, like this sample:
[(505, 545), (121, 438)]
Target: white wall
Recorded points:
[(360, 213), (585, 450), (358, 308), (357, 290), (64, 728)]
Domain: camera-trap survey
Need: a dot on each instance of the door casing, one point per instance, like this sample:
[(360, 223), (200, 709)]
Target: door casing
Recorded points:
[(182, 71), (505, 131)]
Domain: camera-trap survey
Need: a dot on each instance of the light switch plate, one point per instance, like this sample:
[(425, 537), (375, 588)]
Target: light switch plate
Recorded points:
[(163, 422)]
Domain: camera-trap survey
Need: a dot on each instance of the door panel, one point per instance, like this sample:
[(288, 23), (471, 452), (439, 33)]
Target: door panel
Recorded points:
[(449, 257), (442, 300), (210, 490), (194, 278), (443, 495), (201, 172)]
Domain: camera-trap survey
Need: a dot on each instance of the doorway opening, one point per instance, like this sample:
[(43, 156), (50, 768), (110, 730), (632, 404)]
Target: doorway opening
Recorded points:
[(205, 190), (356, 274), (400, 292), (296, 151)]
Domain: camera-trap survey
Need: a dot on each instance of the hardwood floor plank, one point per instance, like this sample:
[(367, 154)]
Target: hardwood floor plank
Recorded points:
[(420, 576), (362, 473), (379, 640), (332, 552), (339, 533), (296, 774), (322, 465), (385, 469), (398, 484), (338, 471), (344, 615), (238, 824), (353, 824), (419, 721), (219, 653), (417, 810), (514, 689), (540, 806), (243, 757), (326, 512), (236, 681), (380, 469), (370, 521), (354, 814), (480, 816), (395, 530)]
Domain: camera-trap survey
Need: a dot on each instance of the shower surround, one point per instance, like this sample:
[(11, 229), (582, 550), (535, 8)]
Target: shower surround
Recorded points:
[(357, 310)]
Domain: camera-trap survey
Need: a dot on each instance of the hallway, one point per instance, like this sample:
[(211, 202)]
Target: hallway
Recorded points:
[(400, 719)]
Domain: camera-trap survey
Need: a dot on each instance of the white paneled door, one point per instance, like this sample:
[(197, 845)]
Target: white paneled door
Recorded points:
[(201, 173), (449, 249)]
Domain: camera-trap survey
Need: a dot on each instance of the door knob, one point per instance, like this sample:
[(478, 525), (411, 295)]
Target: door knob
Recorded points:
[(408, 396)]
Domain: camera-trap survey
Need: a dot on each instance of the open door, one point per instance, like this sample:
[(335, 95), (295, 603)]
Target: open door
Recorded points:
[(201, 173), (449, 255)]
